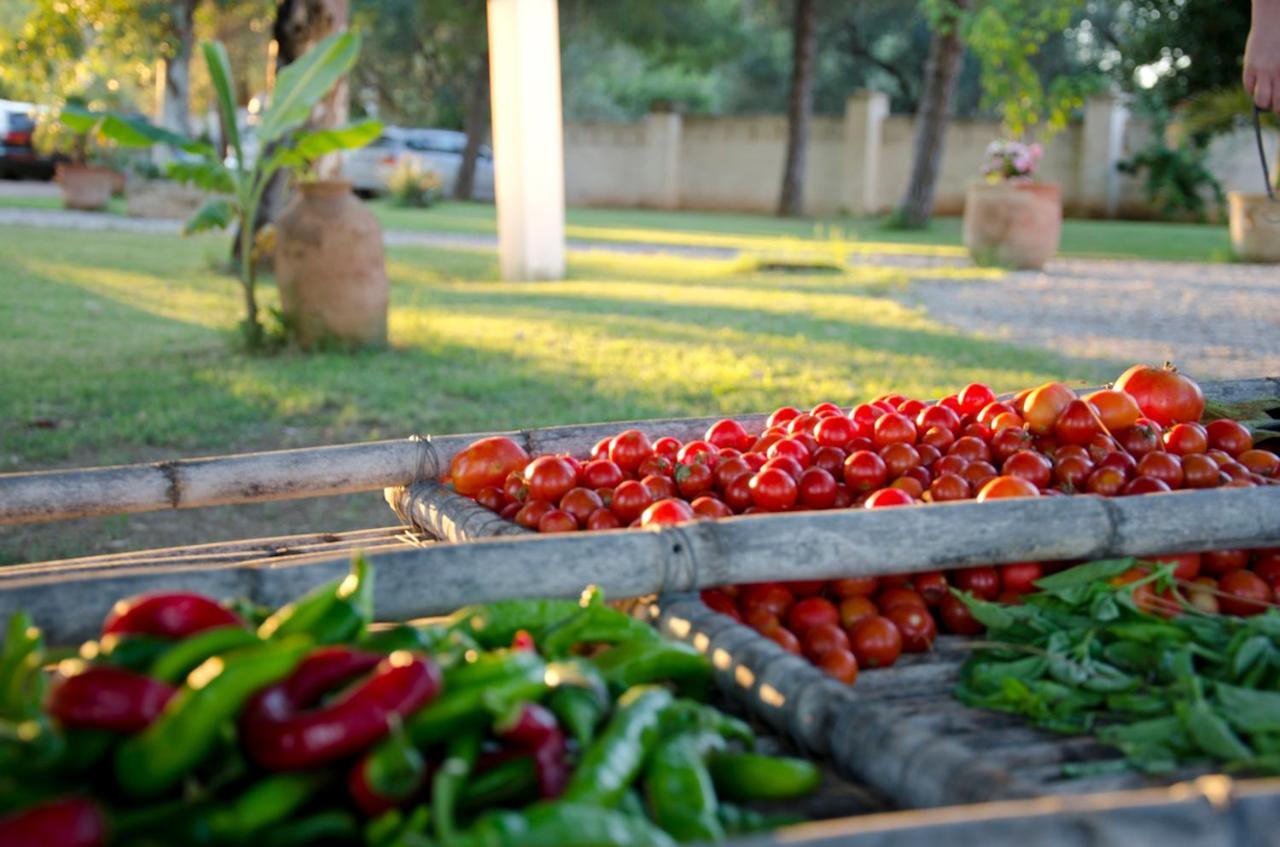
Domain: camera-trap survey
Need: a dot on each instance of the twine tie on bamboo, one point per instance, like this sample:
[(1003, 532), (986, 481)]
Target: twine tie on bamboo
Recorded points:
[(429, 465)]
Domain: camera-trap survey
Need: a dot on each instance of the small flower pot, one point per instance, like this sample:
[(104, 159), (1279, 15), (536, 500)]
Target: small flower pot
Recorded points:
[(1255, 227), (1013, 224), (86, 187)]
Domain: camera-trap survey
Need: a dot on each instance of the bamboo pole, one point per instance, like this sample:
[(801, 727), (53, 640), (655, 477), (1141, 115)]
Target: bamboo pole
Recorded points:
[(437, 578)]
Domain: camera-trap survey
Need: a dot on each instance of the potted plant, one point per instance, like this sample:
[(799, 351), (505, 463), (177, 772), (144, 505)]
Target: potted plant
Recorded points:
[(79, 141), (330, 266), (1010, 219)]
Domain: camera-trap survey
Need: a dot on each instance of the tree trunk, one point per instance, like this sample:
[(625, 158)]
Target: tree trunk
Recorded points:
[(477, 127), (799, 110), (177, 77), (946, 50)]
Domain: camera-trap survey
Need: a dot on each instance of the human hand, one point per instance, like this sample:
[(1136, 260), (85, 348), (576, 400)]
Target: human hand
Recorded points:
[(1262, 55)]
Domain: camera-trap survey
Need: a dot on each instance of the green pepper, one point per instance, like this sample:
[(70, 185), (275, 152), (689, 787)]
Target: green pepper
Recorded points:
[(495, 624), (84, 749), (615, 758), (21, 682), (641, 662), (173, 665), (472, 708), (596, 623), (395, 829), (507, 783), (267, 802), (134, 652), (738, 820), (330, 614), (690, 716), (563, 825), (579, 698), (399, 637), (331, 826), (752, 776), (155, 759), (493, 666), (448, 782), (682, 798)]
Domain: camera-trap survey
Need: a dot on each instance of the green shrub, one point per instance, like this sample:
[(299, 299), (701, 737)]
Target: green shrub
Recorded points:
[(1177, 181), (412, 185)]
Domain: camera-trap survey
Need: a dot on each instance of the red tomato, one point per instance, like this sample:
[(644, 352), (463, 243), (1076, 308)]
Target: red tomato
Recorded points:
[(1200, 471), (660, 487), (485, 463), (786, 464), (916, 627), (978, 473), (550, 478), (601, 450), (974, 396), (928, 454), (864, 471), (601, 473), (956, 616), (1219, 562), (581, 502), (515, 487), (1145, 485), (1229, 436), (711, 507), (970, 449), (988, 413), (700, 452), (667, 511), (729, 469), (835, 431), (510, 510), (1076, 424), (718, 601), (938, 438), (1007, 486), (889, 497), (692, 481), (931, 585), (1009, 441), (729, 433), (1107, 482), (827, 408), (1186, 565), (1141, 438), (630, 499), (531, 512), (667, 447), (939, 416), (656, 466), (557, 520), (876, 642), (1186, 438), (805, 587), (1072, 472), (1244, 593), (983, 582), (854, 608), (801, 423), (950, 464), (831, 460), (782, 415), (1262, 462), (1123, 462), (1163, 466), (897, 595), (773, 489), (603, 519), (817, 489), (1020, 577), (1041, 408), (784, 638), (809, 612), (770, 596), (841, 665), (820, 639), (854, 586), (629, 448), (791, 448), (893, 428), (1266, 564), (911, 408), (1164, 395), (737, 494), (844, 498), (492, 498), (866, 415), (910, 485), (1116, 409), (1030, 466)]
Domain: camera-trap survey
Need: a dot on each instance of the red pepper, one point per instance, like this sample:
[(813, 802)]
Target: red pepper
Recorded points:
[(169, 615), (105, 697), (551, 758), (530, 726), (69, 822), (523, 640), (282, 733), (535, 729)]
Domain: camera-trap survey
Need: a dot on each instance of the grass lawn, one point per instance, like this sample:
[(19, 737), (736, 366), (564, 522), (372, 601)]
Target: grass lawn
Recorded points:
[(117, 347)]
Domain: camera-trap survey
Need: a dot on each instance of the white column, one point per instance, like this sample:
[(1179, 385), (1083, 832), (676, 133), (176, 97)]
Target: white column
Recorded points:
[(864, 114), (528, 141), (661, 176), (1105, 119)]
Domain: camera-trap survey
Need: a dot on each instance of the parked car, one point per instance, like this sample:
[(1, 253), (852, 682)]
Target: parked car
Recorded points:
[(18, 156), (438, 150)]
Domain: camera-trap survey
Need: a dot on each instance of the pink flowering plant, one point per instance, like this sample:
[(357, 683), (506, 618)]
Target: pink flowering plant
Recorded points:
[(1011, 160)]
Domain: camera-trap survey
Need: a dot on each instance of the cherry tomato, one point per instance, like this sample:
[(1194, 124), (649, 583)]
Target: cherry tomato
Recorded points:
[(974, 396), (629, 448), (1072, 472), (1142, 438), (786, 464), (810, 612), (728, 433), (835, 431), (1042, 407), (866, 415), (909, 484), (820, 639), (667, 447), (1229, 436), (601, 450), (864, 471), (711, 507), (1076, 424), (1009, 441), (531, 512), (854, 586), (492, 498), (698, 452), (1186, 438), (1262, 462), (957, 618), (510, 510), (1020, 577), (897, 595), (1163, 466), (1186, 565), (983, 582), (911, 408), (1107, 482), (916, 627), (931, 585), (899, 458), (928, 454), (729, 469), (1116, 409), (1122, 462), (515, 488), (1199, 471), (601, 473), (669, 510), (977, 474), (1219, 562), (557, 520), (485, 463), (1164, 395), (840, 664), (889, 497), (630, 499), (603, 519), (950, 464), (784, 638), (770, 596), (773, 489), (1145, 485), (831, 460), (660, 487), (825, 408), (988, 413), (1244, 593), (718, 601), (1030, 466), (1266, 564), (970, 449), (805, 587), (876, 642), (549, 478), (692, 481), (781, 415), (737, 494), (801, 423), (938, 438), (817, 489), (939, 416), (856, 607), (893, 428), (580, 503), (656, 466)]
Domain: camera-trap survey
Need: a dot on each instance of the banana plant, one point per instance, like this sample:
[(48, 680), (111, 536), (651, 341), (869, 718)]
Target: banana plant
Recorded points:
[(284, 142)]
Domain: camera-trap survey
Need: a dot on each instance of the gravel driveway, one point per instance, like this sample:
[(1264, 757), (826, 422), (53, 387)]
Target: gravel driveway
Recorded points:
[(1213, 321)]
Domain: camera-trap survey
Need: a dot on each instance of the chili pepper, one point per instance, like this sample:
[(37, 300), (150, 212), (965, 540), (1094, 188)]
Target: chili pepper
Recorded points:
[(681, 796), (495, 624), (157, 758), (333, 612), (523, 640), (83, 749), (399, 637), (460, 710), (135, 652), (632, 804), (176, 614), (527, 726), (752, 776), (174, 664), (507, 783), (282, 734), (494, 665), (68, 822), (551, 755), (267, 802), (448, 782), (690, 715), (614, 760), (595, 623), (388, 775), (641, 662), (102, 697), (579, 698), (21, 683), (563, 825), (396, 829), (738, 820), (332, 826)]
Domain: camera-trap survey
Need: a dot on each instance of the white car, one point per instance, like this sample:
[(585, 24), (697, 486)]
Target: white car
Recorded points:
[(440, 150)]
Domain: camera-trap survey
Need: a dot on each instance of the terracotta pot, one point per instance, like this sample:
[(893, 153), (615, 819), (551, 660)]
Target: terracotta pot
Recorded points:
[(85, 186), (330, 267), (1255, 227), (1013, 224)]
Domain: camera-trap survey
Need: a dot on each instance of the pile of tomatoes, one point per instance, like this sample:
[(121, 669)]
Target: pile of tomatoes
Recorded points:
[(1141, 436)]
